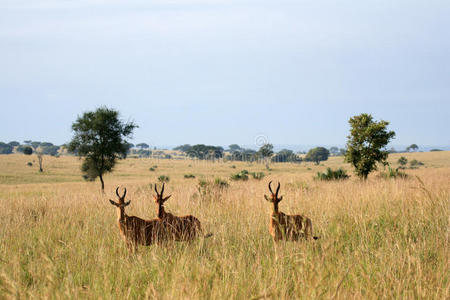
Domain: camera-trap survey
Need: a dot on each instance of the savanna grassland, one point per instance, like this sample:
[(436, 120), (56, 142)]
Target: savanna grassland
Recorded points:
[(383, 238)]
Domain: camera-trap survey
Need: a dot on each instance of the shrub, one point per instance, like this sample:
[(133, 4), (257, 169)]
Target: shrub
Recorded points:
[(211, 190), (30, 164), (189, 176), (415, 163), (258, 175), (402, 161), (152, 169), (86, 177), (393, 173), (163, 178), (233, 167), (220, 183), (339, 174), (27, 150), (242, 175)]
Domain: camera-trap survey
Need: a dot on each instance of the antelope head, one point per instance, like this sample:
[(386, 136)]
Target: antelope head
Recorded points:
[(159, 200), (121, 205), (274, 198)]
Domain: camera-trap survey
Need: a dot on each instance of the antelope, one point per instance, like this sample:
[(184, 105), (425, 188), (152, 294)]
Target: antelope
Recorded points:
[(287, 227), (185, 228), (136, 231)]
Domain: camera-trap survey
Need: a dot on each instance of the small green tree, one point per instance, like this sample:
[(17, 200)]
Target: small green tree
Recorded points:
[(266, 150), (100, 137), (317, 155), (366, 142)]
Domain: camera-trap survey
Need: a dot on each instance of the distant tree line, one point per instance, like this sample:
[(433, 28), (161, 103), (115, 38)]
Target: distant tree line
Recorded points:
[(264, 154)]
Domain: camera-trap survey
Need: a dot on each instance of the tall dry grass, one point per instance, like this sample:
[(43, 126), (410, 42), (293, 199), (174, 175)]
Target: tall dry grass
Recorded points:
[(379, 239)]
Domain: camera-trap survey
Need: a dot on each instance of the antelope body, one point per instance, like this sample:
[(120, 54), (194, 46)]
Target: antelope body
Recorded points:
[(184, 228), (136, 231), (287, 227)]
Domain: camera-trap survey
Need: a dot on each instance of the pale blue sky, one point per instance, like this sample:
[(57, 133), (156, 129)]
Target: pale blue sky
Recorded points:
[(222, 72)]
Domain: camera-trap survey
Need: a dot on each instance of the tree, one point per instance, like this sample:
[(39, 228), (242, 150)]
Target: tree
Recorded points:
[(143, 146), (5, 148), (49, 150), (334, 150), (35, 145), (266, 150), (14, 143), (286, 155), (317, 155), (366, 142), (183, 148), (27, 150), (202, 151), (412, 147), (100, 137), (40, 155), (234, 147), (45, 144)]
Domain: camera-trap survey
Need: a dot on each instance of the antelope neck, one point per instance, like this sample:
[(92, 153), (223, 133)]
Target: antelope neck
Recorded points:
[(161, 211), (120, 212), (275, 207)]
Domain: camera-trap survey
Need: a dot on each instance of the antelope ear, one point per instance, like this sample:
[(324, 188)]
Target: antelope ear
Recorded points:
[(267, 198), (281, 198), (113, 203), (127, 203), (167, 198)]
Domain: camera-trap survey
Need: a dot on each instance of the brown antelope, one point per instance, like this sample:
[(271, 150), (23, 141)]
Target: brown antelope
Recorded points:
[(136, 231), (287, 227), (185, 228)]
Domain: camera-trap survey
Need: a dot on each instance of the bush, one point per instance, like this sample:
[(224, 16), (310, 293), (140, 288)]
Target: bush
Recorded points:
[(189, 176), (393, 173), (402, 161), (258, 175), (30, 164), (211, 190), (220, 183), (152, 169), (27, 150), (88, 178), (163, 178), (242, 175), (415, 163), (339, 174)]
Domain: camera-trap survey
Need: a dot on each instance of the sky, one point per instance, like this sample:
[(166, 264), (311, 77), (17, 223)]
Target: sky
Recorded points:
[(218, 72)]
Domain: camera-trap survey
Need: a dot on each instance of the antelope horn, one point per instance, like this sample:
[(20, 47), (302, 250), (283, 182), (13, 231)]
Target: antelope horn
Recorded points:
[(162, 189), (124, 193), (156, 190), (117, 192), (278, 189), (270, 188)]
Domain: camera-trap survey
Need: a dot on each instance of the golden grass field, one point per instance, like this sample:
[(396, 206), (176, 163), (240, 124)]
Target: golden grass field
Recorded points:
[(381, 238)]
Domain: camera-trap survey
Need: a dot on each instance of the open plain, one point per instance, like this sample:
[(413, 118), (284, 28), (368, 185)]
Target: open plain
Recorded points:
[(380, 238)]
